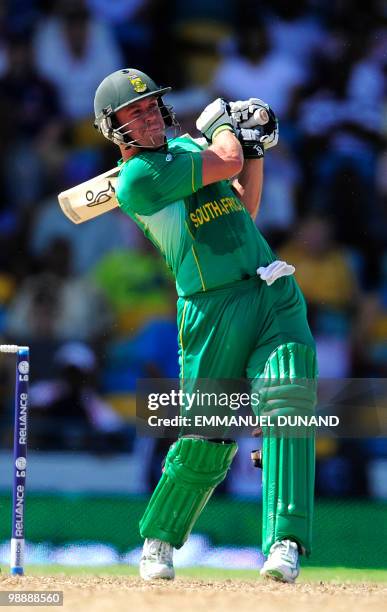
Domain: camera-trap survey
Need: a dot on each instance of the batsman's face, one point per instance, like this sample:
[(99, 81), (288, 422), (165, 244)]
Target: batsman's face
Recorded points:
[(143, 122)]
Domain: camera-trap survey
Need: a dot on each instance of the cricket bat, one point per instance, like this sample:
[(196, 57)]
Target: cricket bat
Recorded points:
[(91, 198)]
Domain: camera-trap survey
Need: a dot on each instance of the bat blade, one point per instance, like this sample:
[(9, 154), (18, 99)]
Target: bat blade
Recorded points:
[(91, 198)]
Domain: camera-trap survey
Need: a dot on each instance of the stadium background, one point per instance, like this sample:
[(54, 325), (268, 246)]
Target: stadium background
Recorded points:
[(95, 303)]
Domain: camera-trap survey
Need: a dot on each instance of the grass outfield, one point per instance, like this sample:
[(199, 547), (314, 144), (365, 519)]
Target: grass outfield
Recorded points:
[(308, 574)]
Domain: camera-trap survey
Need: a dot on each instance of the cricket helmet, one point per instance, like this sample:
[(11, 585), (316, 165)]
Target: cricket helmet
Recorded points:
[(120, 89)]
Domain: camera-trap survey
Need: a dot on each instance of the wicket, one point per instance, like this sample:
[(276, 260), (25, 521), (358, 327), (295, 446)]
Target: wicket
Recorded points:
[(19, 454)]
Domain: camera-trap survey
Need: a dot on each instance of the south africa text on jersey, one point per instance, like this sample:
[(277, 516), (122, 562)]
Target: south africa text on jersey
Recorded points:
[(214, 209)]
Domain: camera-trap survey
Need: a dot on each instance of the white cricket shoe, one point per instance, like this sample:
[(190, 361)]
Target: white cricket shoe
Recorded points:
[(282, 563), (157, 560)]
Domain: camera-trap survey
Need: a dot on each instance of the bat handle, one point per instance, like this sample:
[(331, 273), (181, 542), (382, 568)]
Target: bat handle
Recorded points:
[(261, 116)]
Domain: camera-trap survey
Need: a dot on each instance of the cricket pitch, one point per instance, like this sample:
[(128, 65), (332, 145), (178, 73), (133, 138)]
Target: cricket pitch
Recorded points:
[(100, 593)]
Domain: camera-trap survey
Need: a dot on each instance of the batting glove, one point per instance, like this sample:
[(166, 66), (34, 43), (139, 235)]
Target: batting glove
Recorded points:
[(250, 140), (254, 114), (250, 113), (215, 117)]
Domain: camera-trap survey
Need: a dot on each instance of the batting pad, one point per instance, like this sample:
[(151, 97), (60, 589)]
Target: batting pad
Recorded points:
[(289, 388), (193, 468)]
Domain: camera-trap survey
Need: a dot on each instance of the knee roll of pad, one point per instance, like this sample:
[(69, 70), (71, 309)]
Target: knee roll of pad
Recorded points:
[(288, 384), (193, 468)]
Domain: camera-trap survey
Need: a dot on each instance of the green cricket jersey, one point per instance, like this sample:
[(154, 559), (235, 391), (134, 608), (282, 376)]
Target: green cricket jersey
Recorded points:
[(205, 234)]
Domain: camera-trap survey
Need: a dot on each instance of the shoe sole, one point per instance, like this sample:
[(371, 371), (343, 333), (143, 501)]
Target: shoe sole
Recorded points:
[(166, 576), (149, 578), (277, 576)]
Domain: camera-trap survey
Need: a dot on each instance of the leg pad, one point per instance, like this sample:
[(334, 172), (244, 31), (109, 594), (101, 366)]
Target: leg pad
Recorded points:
[(288, 387), (193, 468)]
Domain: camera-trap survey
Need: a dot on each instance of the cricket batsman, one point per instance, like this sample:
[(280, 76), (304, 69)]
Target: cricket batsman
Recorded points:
[(240, 311)]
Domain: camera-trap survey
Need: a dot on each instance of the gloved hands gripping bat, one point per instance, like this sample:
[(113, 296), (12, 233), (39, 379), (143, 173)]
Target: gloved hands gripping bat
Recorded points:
[(256, 126), (252, 120)]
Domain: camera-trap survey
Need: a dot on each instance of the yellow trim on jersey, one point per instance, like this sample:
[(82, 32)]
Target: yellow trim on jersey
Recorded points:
[(199, 270), (181, 339)]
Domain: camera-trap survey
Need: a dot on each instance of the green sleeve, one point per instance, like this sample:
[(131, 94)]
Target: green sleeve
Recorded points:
[(150, 182)]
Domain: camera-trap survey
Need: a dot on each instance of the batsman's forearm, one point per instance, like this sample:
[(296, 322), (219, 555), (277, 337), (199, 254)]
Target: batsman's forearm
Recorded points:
[(248, 185), (223, 159), (228, 147)]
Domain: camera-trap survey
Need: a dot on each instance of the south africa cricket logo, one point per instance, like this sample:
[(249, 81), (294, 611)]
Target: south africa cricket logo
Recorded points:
[(138, 85), (101, 197)]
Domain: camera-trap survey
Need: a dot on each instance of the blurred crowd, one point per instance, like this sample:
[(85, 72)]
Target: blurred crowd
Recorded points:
[(94, 301)]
